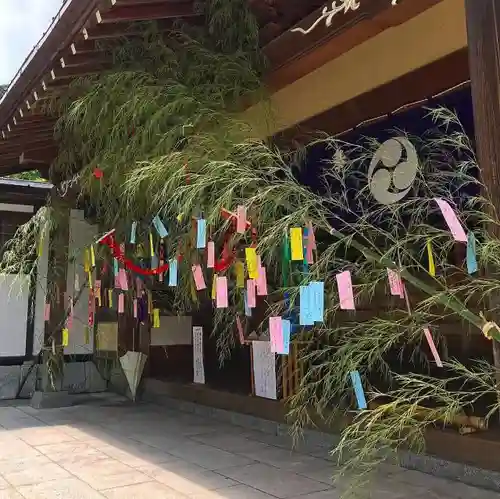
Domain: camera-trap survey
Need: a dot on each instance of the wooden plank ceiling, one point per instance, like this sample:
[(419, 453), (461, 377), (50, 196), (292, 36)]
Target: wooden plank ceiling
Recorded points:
[(70, 51)]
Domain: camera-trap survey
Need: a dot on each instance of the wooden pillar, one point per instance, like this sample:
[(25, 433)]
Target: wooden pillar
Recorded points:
[(483, 34)]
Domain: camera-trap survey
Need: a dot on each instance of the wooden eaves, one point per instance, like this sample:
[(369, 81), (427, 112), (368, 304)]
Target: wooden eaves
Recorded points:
[(70, 51)]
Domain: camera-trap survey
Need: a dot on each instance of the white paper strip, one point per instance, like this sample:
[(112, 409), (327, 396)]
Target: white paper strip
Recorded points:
[(198, 367), (264, 370)]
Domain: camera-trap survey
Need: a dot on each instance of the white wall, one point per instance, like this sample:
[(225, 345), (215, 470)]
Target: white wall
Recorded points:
[(81, 234), (14, 296)]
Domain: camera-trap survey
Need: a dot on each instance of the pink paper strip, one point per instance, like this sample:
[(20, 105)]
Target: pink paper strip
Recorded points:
[(432, 346), (117, 281), (395, 283), (454, 224), (240, 329), (199, 280), (221, 292), (241, 221), (276, 334), (46, 315), (310, 235), (135, 308), (69, 319), (138, 285), (344, 284), (210, 255), (309, 252), (121, 303), (122, 274), (261, 282), (97, 285), (251, 298)]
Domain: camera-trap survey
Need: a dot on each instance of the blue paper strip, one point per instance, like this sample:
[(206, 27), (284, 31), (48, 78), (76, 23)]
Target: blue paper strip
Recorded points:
[(133, 232), (172, 273), (358, 390), (306, 313), (160, 227), (154, 262), (115, 266), (248, 310), (317, 290), (471, 253), (287, 327), (201, 233)]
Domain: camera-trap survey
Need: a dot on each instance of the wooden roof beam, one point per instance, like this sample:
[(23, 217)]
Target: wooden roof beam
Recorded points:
[(77, 71), (84, 58), (7, 148), (145, 11), (112, 30)]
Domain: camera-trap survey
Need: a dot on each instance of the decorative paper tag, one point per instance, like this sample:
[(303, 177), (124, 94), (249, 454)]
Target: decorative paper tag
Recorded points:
[(454, 225), (115, 266), (65, 337), (201, 233), (92, 256), (122, 274), (86, 335), (199, 280), (133, 232), (221, 300), (248, 310), (213, 295), (210, 255), (46, 315), (261, 282), (306, 315), (251, 256), (358, 390), (160, 227), (241, 221), (156, 318), (296, 244), (472, 267), (432, 346), (251, 297), (151, 246), (395, 283), (121, 303), (317, 300), (287, 328), (430, 258), (276, 334), (135, 308), (172, 272), (110, 298), (344, 284), (239, 269)]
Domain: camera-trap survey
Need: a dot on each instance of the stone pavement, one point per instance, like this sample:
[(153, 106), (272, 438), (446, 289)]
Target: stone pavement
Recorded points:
[(110, 449)]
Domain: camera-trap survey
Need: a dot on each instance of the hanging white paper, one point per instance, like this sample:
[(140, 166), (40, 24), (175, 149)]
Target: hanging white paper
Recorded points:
[(264, 370), (133, 365), (198, 367)]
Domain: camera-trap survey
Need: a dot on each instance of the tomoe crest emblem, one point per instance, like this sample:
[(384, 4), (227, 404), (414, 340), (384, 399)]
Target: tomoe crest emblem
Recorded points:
[(392, 170)]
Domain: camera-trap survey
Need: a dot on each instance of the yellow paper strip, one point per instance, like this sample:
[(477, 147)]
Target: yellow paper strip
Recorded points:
[(86, 338), (110, 298), (214, 287), (432, 266), (239, 268), (90, 278), (251, 256), (92, 256), (296, 244), (86, 261), (151, 247), (65, 337), (40, 246), (156, 318)]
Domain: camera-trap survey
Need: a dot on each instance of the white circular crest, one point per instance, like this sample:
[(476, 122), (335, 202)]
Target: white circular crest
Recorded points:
[(391, 184)]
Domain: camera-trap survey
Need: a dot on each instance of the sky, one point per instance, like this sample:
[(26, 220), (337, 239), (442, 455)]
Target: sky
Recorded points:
[(22, 23)]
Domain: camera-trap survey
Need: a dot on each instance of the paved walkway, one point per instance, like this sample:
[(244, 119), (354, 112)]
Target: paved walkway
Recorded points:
[(117, 450)]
